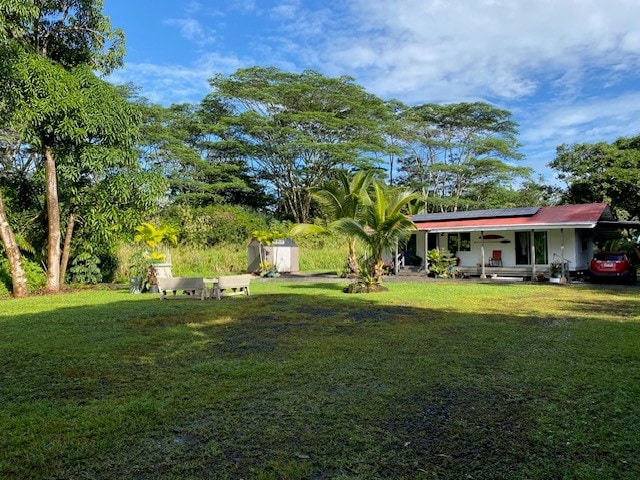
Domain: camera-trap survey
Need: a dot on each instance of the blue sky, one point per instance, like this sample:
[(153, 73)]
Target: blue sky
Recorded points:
[(568, 70)]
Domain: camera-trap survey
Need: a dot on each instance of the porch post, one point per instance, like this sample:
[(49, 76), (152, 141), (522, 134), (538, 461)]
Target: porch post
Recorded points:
[(533, 255), (563, 277), (483, 274), (395, 260), (426, 251)]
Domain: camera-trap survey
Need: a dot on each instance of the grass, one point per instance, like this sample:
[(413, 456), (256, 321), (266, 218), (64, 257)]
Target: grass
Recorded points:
[(315, 254), (428, 380)]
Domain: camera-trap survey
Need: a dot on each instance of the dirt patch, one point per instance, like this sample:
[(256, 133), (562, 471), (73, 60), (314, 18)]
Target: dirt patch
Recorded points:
[(455, 429)]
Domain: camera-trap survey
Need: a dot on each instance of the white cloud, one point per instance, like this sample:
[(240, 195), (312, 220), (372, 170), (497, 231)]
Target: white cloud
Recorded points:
[(441, 50), (585, 122), (285, 11), (192, 30), (166, 84)]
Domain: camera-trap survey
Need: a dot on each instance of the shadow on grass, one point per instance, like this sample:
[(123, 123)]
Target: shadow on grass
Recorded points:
[(318, 286), (310, 383)]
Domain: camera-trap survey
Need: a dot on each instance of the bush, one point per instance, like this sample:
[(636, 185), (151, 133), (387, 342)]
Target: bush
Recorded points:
[(36, 278), (208, 226), (85, 269)]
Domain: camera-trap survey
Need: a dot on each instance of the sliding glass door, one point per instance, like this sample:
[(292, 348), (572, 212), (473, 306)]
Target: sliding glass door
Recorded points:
[(523, 248)]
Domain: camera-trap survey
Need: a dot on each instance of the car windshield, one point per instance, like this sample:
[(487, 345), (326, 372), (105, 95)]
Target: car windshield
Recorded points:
[(609, 256)]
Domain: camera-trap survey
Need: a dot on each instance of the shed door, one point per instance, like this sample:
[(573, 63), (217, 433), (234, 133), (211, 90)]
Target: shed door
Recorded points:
[(282, 258)]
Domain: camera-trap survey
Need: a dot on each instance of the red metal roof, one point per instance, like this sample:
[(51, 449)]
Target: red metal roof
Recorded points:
[(563, 216)]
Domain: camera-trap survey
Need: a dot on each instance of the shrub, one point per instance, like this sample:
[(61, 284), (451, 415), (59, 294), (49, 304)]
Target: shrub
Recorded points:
[(441, 263), (208, 226), (85, 269), (36, 278)]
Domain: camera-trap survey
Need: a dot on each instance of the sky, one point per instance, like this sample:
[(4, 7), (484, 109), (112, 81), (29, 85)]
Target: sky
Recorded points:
[(568, 70)]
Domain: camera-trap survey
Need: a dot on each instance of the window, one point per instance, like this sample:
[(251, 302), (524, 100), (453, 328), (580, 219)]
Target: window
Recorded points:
[(459, 242), (540, 243)]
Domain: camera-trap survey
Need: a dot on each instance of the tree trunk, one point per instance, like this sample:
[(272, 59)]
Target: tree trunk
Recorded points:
[(67, 246), (352, 257), (53, 221), (18, 276), (378, 271)]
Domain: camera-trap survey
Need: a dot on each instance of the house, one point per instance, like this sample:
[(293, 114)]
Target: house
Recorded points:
[(516, 241)]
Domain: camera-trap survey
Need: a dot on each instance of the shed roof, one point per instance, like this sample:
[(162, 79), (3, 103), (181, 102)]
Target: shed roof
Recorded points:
[(563, 216)]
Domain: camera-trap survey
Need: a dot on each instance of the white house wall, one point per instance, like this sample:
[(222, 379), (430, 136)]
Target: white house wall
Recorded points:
[(573, 252), (584, 248)]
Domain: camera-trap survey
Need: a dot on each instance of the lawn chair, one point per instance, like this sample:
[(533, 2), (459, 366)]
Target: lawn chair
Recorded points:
[(496, 258)]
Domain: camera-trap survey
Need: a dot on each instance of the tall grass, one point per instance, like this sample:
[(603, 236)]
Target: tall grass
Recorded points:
[(315, 254)]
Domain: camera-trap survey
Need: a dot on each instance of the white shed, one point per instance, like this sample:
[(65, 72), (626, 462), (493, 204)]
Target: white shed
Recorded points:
[(282, 253)]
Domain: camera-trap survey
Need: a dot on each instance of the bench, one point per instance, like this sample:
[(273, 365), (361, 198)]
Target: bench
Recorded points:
[(231, 285), (192, 287)]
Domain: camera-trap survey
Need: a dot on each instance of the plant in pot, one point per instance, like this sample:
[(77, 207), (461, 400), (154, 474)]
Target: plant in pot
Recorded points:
[(155, 242), (555, 271), (138, 264)]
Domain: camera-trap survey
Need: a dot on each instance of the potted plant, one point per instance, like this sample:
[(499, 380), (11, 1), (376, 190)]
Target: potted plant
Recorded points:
[(155, 242), (152, 279), (555, 270), (137, 270)]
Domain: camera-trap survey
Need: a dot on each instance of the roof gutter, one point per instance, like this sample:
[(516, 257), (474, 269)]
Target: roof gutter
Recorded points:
[(516, 228)]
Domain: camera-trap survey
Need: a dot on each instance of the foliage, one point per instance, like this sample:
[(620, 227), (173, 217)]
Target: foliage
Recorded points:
[(366, 282), (267, 237), (382, 224), (70, 32), (35, 275), (602, 172), (458, 154), (155, 237), (202, 167), (516, 383), (268, 270), (296, 129), (5, 291), (152, 240), (441, 263), (214, 225), (138, 263), (555, 268), (85, 269), (345, 197)]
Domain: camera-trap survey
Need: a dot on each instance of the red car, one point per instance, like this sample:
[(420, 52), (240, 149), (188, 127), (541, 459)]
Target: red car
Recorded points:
[(612, 266)]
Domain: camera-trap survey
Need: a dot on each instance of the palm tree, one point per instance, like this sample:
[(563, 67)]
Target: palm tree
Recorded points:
[(344, 198), (382, 224)]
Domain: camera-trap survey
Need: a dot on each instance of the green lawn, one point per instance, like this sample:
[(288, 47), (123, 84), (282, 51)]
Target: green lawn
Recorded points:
[(425, 381)]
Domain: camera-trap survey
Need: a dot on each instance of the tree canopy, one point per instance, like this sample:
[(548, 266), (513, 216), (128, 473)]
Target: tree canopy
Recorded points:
[(297, 129), (454, 152), (69, 32), (602, 172), (78, 128)]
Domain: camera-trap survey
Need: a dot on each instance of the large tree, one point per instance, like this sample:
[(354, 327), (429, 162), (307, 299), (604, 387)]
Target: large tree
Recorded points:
[(452, 150), (52, 98), (298, 128), (602, 172), (203, 166), (69, 32)]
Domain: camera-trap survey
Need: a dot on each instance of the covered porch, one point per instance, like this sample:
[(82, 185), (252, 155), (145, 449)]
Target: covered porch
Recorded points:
[(519, 242)]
